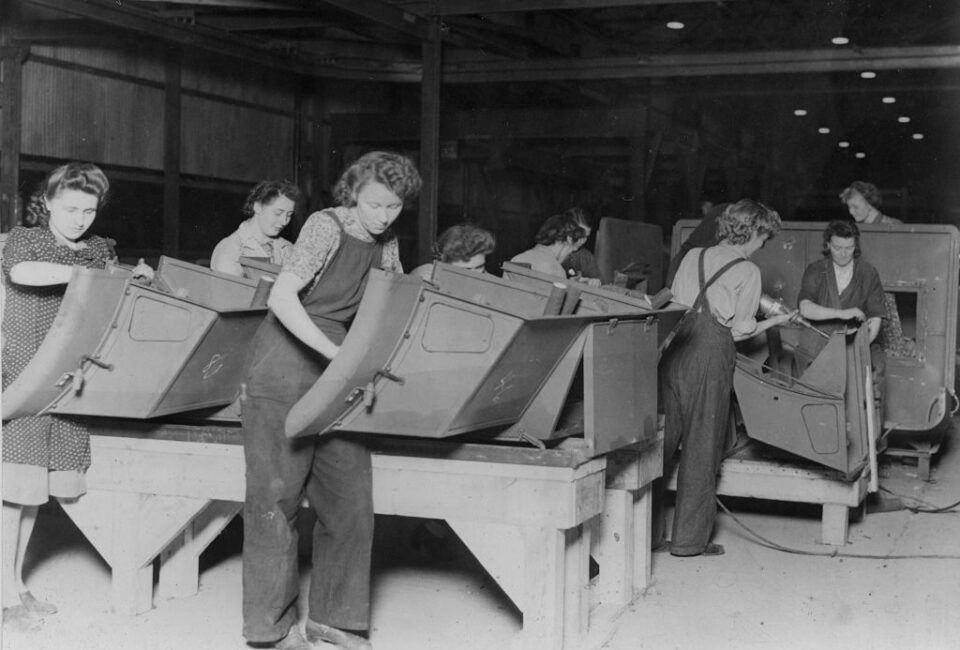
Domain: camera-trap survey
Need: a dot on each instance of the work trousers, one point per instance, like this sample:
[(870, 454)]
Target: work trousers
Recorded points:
[(697, 383), (334, 475)]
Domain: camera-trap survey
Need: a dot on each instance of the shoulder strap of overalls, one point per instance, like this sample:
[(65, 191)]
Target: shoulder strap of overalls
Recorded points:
[(702, 296)]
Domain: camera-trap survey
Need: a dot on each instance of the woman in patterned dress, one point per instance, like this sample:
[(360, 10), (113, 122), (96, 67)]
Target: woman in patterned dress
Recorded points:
[(44, 455)]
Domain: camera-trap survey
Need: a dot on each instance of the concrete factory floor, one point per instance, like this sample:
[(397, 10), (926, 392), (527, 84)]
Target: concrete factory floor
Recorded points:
[(752, 597)]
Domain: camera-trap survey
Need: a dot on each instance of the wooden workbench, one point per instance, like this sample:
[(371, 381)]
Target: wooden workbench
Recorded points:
[(746, 475), (164, 492)]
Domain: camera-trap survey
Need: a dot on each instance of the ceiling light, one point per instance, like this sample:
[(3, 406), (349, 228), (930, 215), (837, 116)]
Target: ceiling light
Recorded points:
[(839, 40), (843, 144), (889, 100), (675, 24), (800, 112), (917, 136), (860, 154), (904, 119), (824, 130), (868, 74)]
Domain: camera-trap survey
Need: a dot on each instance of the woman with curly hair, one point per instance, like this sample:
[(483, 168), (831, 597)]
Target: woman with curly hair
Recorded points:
[(268, 207), (463, 245), (559, 236), (313, 301), (45, 455), (722, 289)]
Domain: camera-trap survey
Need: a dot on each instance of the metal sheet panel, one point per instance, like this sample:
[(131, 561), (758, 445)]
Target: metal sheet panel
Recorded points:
[(634, 245), (88, 307)]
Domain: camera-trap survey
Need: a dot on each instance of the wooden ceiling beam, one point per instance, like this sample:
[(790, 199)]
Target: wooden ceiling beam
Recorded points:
[(406, 22), (706, 65), (136, 20), (465, 7)]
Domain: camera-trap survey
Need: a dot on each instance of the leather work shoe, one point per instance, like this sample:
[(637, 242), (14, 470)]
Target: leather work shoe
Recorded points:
[(293, 641), (341, 639), (709, 550)]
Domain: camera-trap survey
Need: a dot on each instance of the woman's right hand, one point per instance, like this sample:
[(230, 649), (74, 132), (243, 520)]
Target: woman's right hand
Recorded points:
[(853, 313)]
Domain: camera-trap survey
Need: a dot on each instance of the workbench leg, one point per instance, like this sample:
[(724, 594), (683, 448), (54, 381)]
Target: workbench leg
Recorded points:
[(576, 578), (616, 549), (642, 538), (834, 524), (132, 578), (180, 561), (109, 521), (544, 566)]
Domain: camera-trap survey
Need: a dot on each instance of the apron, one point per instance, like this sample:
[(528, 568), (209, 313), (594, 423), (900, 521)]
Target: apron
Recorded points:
[(281, 366)]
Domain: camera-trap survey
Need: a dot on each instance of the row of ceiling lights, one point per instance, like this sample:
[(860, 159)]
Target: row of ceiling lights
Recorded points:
[(866, 74)]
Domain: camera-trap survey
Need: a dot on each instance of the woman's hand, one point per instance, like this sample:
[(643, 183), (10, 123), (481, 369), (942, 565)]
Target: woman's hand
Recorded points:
[(143, 271), (590, 282), (854, 313)]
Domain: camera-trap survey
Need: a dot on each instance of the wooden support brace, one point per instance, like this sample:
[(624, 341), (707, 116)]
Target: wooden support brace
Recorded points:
[(180, 561)]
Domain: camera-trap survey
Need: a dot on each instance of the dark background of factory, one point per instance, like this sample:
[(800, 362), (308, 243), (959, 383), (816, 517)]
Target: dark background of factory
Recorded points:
[(514, 110)]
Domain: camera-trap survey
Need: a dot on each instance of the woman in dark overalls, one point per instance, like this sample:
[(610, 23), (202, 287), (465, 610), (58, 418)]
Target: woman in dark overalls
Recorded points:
[(315, 297), (723, 290)]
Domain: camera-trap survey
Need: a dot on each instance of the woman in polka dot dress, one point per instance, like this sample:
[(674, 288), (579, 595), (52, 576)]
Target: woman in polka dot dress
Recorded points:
[(44, 455)]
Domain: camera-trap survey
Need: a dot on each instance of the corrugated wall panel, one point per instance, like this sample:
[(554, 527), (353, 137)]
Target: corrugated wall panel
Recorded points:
[(142, 61), (245, 82), (79, 115), (236, 142)]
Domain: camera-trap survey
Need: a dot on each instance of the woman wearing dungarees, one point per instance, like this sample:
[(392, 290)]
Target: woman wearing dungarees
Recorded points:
[(723, 290), (313, 301)]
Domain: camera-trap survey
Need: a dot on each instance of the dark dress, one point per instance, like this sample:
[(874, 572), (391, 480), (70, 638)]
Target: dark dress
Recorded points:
[(56, 443), (332, 472)]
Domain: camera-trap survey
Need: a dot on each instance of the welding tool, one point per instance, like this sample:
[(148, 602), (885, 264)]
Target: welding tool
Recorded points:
[(773, 307)]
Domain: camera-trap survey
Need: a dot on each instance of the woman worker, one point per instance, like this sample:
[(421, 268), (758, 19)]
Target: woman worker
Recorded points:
[(840, 289), (559, 236), (723, 291), (315, 296), (268, 207), (463, 245), (863, 203)]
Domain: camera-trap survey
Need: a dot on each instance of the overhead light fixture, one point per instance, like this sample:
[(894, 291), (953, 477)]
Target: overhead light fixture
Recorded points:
[(675, 24), (917, 136), (824, 130), (868, 74), (843, 144), (904, 119), (839, 40), (860, 154), (800, 112), (889, 100)]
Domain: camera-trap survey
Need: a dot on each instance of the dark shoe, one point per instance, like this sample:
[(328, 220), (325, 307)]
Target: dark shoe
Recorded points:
[(709, 550), (37, 606), (293, 641), (19, 619), (317, 632), (663, 546)]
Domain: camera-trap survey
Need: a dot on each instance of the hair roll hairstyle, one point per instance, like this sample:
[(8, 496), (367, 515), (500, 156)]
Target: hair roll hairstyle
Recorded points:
[(392, 170), (559, 228), (868, 191), (266, 192), (843, 229), (84, 177), (462, 242), (742, 219)]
